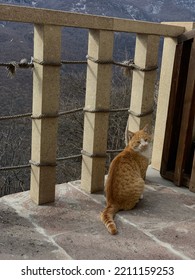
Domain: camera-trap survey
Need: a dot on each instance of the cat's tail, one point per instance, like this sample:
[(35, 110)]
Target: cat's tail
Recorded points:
[(107, 217)]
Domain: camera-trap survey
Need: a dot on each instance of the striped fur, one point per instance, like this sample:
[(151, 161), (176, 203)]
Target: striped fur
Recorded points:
[(125, 182), (107, 217)]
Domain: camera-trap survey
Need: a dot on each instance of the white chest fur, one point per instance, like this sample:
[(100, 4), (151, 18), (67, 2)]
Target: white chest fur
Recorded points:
[(147, 152), (145, 149)]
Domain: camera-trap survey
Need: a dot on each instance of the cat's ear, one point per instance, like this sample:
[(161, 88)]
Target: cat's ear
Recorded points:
[(146, 128), (130, 134)]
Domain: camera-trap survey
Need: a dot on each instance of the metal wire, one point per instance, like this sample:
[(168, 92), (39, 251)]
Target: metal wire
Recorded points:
[(27, 115), (11, 67), (128, 64), (20, 116), (43, 116), (10, 168)]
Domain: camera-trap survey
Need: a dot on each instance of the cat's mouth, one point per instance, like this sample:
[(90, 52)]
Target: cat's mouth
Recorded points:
[(141, 148), (144, 147)]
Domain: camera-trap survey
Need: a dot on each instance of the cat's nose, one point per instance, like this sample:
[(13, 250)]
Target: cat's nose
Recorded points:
[(144, 144)]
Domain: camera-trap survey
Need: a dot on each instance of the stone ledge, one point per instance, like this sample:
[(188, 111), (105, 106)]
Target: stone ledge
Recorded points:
[(160, 227)]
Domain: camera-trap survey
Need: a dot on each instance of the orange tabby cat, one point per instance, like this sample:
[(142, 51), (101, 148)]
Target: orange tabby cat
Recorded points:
[(125, 182)]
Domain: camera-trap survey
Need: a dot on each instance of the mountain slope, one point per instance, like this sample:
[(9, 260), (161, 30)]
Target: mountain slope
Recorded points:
[(160, 10), (21, 36)]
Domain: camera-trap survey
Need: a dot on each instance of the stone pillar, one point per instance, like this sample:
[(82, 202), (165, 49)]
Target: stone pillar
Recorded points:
[(46, 87), (98, 88), (143, 82)]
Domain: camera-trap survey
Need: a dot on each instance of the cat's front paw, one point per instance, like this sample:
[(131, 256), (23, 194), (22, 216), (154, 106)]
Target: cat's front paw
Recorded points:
[(141, 196)]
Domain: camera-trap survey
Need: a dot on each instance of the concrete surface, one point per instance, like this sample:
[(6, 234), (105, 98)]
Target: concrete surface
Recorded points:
[(162, 225)]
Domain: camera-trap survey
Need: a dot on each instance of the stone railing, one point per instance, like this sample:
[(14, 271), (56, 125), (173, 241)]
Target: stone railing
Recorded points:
[(46, 88)]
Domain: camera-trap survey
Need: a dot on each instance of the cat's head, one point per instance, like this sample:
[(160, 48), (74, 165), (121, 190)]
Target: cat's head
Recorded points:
[(140, 141)]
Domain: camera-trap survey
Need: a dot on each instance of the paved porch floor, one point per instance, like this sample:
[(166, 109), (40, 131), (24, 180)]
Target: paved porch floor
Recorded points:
[(162, 226)]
